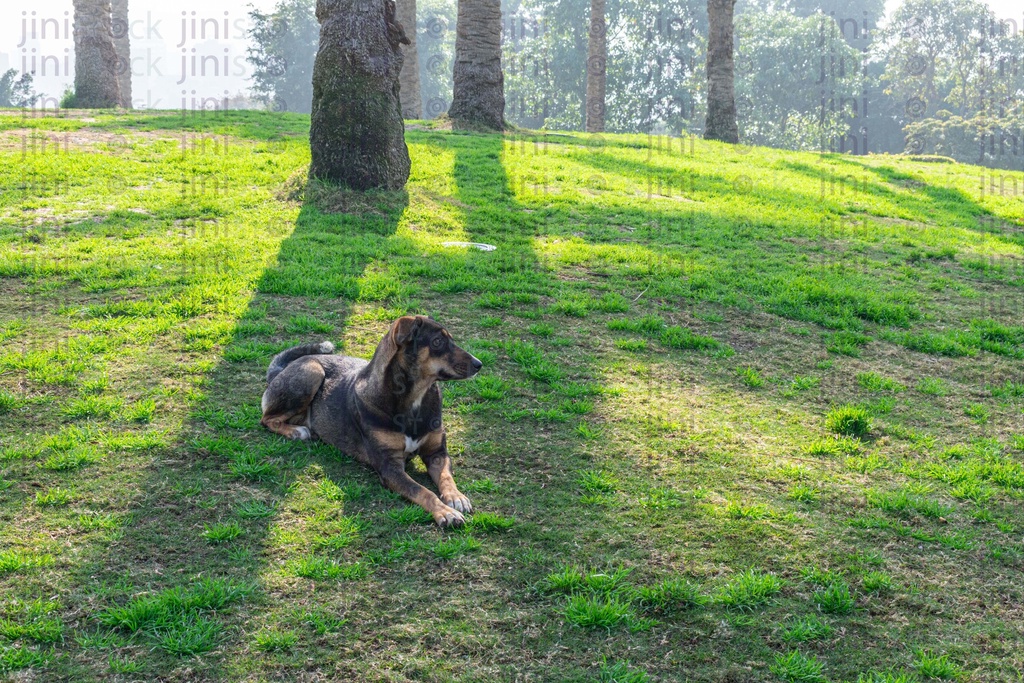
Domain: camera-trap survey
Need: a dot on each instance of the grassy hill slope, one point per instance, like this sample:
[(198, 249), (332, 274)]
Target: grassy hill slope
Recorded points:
[(746, 414)]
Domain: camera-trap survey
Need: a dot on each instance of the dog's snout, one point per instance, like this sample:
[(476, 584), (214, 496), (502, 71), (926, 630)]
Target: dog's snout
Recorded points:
[(476, 364)]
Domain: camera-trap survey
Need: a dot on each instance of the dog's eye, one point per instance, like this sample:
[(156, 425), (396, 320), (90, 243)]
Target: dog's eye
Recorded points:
[(438, 343)]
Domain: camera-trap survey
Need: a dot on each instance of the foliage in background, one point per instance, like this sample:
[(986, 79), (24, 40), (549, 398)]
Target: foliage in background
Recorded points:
[(284, 46), (17, 92)]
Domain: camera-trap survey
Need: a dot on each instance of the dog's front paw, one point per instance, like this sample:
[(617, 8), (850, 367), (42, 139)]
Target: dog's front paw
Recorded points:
[(301, 434), (448, 517), (458, 501)]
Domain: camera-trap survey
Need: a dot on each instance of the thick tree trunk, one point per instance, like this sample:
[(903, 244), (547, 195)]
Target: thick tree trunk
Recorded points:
[(412, 106), (96, 84), (478, 94), (356, 134), (721, 118), (122, 45), (597, 56)]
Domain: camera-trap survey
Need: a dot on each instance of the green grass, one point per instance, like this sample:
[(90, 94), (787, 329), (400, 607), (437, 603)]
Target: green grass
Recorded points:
[(872, 381), (936, 666), (835, 599), (671, 594), (273, 640), (750, 589), (848, 420), (807, 629), (876, 582), (594, 611), (222, 533), (147, 288), (621, 672), (795, 667)]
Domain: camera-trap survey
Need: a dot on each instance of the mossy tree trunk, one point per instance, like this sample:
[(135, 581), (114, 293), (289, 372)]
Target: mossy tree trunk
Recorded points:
[(720, 123), (412, 106), (96, 84), (597, 55), (356, 136), (478, 93), (122, 45)]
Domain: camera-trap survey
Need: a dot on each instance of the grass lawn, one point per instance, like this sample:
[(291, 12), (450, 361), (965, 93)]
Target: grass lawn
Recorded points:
[(745, 414)]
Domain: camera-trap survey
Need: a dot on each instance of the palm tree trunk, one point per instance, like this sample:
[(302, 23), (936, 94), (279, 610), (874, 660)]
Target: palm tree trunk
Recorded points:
[(721, 118), (597, 56), (356, 134), (412, 106), (96, 85), (122, 45), (478, 94)]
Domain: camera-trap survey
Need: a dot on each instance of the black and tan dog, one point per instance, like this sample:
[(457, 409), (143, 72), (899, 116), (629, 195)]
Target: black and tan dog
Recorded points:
[(381, 412)]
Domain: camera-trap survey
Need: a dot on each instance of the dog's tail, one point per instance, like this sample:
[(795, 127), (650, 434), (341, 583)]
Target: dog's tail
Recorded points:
[(282, 359)]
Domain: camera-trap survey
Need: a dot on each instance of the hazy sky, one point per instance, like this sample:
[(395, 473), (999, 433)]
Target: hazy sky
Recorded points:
[(174, 64)]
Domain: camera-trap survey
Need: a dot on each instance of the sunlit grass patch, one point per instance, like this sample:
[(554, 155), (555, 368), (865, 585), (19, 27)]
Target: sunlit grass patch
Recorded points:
[(487, 522), (833, 446), (567, 580), (22, 657), (323, 622), (322, 568), (876, 582), (846, 343), (596, 481), (20, 560), (872, 381), (795, 667), (76, 458), (936, 666), (222, 533), (671, 594), (848, 420), (55, 496), (806, 629), (750, 377), (92, 406), (803, 493), (273, 640), (934, 386), (595, 610), (752, 588), (835, 599), (256, 509)]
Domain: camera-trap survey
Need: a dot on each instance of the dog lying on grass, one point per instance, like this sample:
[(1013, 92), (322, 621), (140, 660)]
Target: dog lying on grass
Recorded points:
[(382, 412)]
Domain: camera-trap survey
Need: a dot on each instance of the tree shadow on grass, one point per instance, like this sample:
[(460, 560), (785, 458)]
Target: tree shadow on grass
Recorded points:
[(225, 471)]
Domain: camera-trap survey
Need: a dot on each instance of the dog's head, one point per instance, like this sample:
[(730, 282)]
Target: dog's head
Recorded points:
[(421, 343)]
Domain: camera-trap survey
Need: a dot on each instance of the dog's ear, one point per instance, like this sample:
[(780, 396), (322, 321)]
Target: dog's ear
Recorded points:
[(405, 329)]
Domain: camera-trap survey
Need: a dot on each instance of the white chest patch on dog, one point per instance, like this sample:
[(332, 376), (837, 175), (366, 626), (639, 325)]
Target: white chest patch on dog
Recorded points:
[(412, 446)]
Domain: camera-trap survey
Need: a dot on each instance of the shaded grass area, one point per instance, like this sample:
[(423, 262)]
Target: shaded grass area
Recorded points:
[(733, 405)]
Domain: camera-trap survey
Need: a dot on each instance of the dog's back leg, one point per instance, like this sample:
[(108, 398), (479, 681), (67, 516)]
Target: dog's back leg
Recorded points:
[(288, 396)]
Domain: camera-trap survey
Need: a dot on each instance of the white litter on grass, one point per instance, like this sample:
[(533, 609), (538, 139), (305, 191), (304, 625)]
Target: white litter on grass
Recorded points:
[(475, 245)]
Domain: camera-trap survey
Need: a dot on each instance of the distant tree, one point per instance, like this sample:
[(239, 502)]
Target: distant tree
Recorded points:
[(932, 52), (597, 74), (412, 106), (17, 92), (120, 28), (356, 134), (721, 116), (654, 64), (96, 84), (785, 63), (436, 47), (478, 91), (282, 53)]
